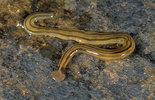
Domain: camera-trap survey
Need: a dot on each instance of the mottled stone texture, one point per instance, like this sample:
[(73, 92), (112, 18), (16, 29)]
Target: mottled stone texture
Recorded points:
[(26, 61)]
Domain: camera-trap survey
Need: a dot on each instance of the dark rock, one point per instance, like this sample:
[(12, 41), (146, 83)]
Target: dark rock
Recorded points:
[(1, 32), (151, 56), (11, 29), (2, 18)]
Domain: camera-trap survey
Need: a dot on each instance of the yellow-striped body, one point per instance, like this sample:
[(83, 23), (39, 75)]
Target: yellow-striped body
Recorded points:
[(86, 40)]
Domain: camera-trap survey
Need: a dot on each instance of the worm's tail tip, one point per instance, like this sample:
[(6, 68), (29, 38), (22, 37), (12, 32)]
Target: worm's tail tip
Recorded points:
[(58, 75)]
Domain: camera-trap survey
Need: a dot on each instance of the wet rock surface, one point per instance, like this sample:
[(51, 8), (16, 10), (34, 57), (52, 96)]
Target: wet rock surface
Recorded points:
[(26, 60)]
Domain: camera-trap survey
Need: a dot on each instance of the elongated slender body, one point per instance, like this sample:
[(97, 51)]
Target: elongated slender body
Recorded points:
[(86, 39)]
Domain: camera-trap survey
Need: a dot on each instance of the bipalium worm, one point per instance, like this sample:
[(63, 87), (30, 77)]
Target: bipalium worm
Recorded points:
[(86, 40)]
